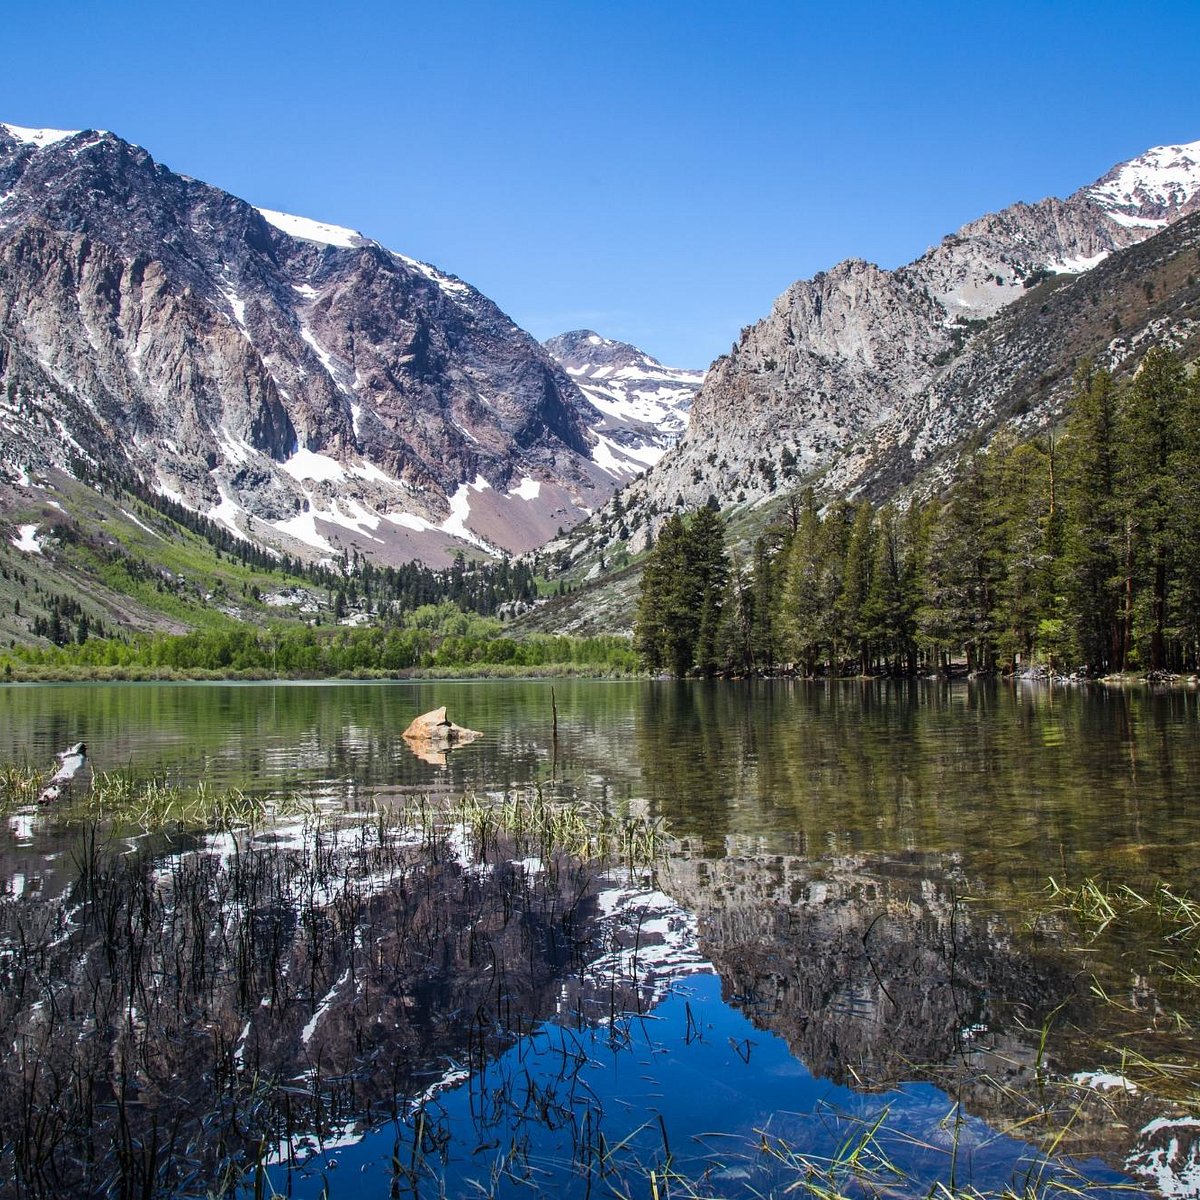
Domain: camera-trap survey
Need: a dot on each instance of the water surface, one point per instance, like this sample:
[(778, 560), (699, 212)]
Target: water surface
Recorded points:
[(863, 865)]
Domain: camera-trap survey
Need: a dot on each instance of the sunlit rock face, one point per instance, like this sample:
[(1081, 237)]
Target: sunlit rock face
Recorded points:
[(294, 380), (852, 371)]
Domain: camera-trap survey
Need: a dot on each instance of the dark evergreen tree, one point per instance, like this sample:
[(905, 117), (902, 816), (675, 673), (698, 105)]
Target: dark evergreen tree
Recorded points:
[(802, 611), (678, 625), (1185, 535), (763, 649), (1093, 523), (708, 575), (884, 616), (664, 630), (1151, 445), (851, 611)]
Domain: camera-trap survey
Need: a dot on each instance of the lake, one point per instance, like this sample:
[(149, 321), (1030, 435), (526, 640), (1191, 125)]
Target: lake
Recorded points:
[(847, 967)]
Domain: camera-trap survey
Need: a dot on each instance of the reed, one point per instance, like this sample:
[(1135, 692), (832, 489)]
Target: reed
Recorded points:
[(191, 1011), (1157, 934), (19, 787)]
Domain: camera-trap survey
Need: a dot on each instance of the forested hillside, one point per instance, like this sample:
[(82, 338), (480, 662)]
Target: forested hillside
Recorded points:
[(1079, 550)]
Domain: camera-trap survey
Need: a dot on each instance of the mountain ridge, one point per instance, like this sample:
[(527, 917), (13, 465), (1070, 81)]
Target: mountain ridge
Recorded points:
[(857, 349), (311, 390), (316, 392)]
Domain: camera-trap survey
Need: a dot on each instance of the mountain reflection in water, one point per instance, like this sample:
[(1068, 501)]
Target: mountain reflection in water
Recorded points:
[(354, 1007)]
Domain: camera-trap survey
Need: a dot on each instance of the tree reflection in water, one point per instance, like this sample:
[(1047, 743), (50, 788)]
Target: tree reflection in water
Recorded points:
[(220, 1013), (862, 865)]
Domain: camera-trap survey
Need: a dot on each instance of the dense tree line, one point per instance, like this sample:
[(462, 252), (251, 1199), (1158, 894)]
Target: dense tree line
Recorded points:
[(679, 613), (440, 635), (1077, 552)]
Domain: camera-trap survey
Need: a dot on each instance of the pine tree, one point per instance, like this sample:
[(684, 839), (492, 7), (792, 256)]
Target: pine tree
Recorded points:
[(763, 650), (1151, 448), (1093, 522), (853, 623), (968, 558), (1185, 525), (802, 609), (667, 620), (883, 612), (734, 636), (708, 575), (1021, 518)]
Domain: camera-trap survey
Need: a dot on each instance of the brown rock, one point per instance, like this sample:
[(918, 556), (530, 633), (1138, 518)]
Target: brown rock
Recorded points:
[(432, 734)]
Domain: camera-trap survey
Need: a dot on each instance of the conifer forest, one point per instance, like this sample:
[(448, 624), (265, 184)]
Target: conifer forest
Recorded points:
[(1077, 551)]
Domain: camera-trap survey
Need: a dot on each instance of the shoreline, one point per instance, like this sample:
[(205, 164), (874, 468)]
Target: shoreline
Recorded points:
[(481, 671)]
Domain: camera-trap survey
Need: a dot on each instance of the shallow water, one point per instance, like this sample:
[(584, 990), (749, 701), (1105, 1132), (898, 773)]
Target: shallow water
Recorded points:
[(863, 868)]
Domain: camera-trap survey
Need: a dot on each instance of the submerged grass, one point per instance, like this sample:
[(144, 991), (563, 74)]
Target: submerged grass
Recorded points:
[(1156, 1003), (156, 803), (183, 1014), (544, 826), (122, 800), (181, 1009), (19, 787)]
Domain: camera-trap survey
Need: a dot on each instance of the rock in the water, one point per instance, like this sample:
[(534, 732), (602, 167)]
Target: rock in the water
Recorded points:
[(432, 734)]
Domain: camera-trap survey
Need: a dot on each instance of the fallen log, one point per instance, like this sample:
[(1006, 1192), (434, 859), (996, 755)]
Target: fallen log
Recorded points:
[(70, 762)]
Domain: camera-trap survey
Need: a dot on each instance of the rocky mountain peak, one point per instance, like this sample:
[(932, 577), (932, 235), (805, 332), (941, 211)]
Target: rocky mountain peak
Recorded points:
[(586, 348), (37, 138), (1151, 190), (643, 405), (289, 378), (860, 365)]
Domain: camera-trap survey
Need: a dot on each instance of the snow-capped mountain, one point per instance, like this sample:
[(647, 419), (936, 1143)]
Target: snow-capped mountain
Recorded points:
[(859, 363), (1152, 190), (291, 379), (643, 405)]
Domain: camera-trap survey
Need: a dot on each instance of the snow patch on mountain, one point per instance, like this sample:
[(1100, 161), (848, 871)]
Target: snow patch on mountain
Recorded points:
[(643, 405), (460, 513), (407, 520), (1144, 191), (26, 540), (234, 449), (237, 305), (303, 527), (528, 489), (308, 230), (307, 464), (624, 461), (38, 137), (228, 513), (447, 283), (1078, 264)]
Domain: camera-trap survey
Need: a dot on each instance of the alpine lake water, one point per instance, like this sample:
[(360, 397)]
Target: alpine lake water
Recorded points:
[(843, 965)]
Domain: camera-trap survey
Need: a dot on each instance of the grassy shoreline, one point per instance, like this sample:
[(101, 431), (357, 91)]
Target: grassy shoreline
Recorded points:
[(131, 673), (148, 673)]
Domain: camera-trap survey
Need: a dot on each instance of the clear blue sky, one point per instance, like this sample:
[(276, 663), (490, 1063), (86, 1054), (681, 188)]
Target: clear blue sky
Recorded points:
[(657, 171)]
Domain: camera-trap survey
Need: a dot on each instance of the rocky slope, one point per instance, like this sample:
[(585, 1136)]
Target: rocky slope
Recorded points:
[(858, 358), (1013, 372), (644, 406), (294, 380)]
